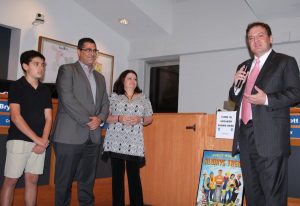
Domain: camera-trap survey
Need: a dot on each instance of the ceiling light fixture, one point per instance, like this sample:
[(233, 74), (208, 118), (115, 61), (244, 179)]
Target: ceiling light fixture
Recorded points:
[(123, 21)]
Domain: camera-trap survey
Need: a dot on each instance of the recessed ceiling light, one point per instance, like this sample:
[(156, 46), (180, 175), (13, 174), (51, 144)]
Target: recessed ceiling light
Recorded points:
[(123, 21)]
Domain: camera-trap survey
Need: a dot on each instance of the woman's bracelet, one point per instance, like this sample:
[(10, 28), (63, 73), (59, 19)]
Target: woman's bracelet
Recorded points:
[(118, 118), (142, 121)]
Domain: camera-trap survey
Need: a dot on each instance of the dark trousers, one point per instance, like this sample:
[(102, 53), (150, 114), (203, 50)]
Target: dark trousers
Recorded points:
[(234, 195), (80, 160), (265, 178), (134, 182)]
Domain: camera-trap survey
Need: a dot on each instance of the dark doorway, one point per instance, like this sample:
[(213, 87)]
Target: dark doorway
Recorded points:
[(5, 35), (164, 82)]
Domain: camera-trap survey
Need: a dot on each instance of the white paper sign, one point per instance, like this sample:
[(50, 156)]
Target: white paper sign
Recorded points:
[(225, 124)]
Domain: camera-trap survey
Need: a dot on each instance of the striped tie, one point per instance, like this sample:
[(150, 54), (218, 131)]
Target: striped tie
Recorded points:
[(246, 106)]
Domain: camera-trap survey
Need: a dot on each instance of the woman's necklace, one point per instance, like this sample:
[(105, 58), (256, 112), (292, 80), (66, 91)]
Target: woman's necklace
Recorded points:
[(129, 97)]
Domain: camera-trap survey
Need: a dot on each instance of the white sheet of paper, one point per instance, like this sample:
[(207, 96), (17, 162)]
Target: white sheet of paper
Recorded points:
[(225, 124)]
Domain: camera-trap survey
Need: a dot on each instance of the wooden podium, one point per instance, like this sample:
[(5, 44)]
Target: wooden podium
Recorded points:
[(174, 145)]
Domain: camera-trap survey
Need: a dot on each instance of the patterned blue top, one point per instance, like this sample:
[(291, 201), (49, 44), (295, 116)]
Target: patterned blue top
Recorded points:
[(127, 140)]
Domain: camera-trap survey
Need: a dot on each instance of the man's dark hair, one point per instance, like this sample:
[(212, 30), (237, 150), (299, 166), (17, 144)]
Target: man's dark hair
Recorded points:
[(119, 84), (82, 41), (27, 56), (257, 23)]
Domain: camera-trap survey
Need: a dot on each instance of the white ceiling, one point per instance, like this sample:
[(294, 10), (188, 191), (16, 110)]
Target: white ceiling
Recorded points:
[(274, 9), (153, 18)]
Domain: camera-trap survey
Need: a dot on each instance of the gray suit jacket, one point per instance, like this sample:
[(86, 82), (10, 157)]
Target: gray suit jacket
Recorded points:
[(279, 79), (76, 105)]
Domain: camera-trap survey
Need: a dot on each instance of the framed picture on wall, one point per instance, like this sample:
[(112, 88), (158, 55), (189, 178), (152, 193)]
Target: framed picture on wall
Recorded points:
[(105, 65), (58, 53), (220, 181)]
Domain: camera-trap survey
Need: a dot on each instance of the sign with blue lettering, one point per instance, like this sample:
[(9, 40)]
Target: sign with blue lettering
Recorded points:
[(295, 129), (295, 132), (295, 120), (4, 120), (4, 106)]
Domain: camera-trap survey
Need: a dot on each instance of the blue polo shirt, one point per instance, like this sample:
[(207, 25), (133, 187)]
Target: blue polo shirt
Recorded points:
[(33, 103)]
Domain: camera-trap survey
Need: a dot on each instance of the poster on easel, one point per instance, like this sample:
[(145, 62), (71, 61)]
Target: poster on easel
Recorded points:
[(220, 180)]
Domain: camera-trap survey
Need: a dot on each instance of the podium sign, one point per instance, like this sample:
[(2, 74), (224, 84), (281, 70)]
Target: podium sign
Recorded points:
[(5, 120), (225, 124), (4, 114), (4, 106), (295, 126)]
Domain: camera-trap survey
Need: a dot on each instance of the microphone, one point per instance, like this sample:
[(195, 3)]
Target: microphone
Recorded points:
[(246, 69)]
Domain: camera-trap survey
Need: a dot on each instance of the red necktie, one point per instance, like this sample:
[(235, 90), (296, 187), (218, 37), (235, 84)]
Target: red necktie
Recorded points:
[(246, 106)]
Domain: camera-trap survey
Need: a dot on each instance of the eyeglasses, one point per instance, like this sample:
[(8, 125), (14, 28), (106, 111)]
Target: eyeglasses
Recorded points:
[(258, 36), (90, 50), (36, 64)]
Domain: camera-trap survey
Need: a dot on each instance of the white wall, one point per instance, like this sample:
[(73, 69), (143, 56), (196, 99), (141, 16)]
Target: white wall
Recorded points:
[(210, 49), (192, 33), (204, 79), (209, 76), (64, 21), (220, 29)]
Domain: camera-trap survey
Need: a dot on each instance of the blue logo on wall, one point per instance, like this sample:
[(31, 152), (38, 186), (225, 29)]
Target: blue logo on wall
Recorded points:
[(295, 132), (4, 106), (295, 123), (4, 120), (295, 120)]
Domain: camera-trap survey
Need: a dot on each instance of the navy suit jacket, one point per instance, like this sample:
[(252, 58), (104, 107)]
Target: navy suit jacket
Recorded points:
[(279, 79)]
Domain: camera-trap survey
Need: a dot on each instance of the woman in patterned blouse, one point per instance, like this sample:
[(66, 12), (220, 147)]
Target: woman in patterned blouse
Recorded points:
[(130, 110)]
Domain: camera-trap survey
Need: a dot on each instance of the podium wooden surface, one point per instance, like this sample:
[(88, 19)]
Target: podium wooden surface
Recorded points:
[(174, 154), (174, 145)]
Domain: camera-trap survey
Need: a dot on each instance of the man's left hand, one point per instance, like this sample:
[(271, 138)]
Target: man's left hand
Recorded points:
[(258, 99), (94, 123)]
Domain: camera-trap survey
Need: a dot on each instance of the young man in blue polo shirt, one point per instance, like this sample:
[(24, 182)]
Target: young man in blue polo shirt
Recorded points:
[(31, 119)]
